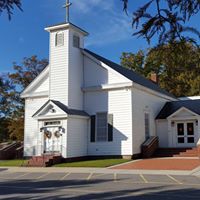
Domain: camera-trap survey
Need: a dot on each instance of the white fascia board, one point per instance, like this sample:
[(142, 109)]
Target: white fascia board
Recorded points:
[(183, 109), (66, 26), (113, 86), (27, 90), (35, 95)]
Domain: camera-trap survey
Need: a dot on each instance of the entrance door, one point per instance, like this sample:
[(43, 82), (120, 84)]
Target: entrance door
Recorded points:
[(185, 134), (52, 140)]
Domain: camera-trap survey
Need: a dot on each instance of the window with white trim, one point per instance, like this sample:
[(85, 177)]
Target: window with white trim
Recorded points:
[(59, 39), (52, 123), (102, 127), (147, 128)]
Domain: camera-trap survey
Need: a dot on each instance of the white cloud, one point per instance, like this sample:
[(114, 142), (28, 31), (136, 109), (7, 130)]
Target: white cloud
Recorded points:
[(112, 24), (117, 30), (86, 6)]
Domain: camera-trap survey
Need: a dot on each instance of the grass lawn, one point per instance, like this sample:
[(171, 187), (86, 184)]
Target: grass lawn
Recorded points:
[(12, 163), (93, 163)]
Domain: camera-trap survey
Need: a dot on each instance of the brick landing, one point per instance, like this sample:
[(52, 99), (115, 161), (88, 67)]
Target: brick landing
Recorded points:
[(161, 164)]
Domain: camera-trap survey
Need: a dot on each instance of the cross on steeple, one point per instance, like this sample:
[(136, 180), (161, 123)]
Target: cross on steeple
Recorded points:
[(67, 6)]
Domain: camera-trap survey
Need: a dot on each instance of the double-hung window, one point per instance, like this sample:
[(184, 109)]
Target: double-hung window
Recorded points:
[(147, 127), (102, 127)]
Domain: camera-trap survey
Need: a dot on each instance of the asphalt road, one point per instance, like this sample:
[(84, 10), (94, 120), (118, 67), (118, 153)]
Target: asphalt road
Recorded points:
[(89, 186)]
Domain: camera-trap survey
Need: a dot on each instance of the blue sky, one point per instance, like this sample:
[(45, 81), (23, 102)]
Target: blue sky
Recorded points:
[(110, 29)]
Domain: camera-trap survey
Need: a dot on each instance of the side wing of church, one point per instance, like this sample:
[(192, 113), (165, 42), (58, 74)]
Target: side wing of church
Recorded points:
[(84, 105)]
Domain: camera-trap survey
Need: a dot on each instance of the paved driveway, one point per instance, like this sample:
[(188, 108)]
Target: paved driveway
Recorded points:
[(88, 186)]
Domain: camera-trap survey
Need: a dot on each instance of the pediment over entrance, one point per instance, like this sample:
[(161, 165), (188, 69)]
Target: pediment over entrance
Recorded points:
[(55, 109), (183, 113), (49, 110)]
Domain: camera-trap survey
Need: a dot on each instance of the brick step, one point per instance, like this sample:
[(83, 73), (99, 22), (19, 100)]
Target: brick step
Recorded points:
[(192, 151), (189, 155), (176, 152), (44, 161)]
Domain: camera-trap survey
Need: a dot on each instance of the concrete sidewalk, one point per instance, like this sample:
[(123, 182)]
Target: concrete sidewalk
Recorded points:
[(98, 170)]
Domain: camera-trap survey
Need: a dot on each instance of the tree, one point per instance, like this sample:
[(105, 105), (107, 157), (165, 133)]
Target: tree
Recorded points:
[(8, 6), (16, 82), (167, 19), (176, 64), (4, 132)]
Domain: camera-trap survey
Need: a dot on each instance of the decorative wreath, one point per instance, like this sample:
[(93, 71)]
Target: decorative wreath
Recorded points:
[(57, 134), (47, 134)]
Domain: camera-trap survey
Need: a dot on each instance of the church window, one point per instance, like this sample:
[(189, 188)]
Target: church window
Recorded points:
[(146, 123), (76, 41), (102, 127), (59, 39)]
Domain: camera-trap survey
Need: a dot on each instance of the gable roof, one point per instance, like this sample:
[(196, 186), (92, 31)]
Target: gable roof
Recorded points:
[(70, 111), (171, 107), (130, 74), (40, 77), (63, 108)]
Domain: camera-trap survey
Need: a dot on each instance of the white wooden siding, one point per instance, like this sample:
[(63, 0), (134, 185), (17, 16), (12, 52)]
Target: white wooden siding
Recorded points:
[(43, 86), (118, 103), (75, 77), (162, 132), (144, 102), (31, 125), (95, 74), (77, 130), (59, 56)]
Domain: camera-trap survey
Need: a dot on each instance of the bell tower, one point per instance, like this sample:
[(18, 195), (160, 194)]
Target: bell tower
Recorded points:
[(66, 62)]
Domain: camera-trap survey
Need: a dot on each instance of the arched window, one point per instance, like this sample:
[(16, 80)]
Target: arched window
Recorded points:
[(59, 39)]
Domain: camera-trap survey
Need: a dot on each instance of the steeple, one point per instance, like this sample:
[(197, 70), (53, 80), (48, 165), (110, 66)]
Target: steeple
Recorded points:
[(66, 62)]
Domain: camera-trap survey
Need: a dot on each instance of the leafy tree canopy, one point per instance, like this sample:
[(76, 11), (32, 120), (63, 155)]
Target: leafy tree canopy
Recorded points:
[(176, 64), (166, 18), (11, 105), (8, 6)]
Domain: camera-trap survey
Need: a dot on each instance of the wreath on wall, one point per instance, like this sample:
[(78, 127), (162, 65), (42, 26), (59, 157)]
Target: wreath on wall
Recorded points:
[(57, 134), (47, 134)]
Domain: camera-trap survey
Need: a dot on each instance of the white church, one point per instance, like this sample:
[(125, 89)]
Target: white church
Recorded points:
[(85, 105)]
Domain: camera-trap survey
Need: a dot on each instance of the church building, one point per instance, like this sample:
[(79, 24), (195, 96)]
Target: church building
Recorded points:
[(83, 104)]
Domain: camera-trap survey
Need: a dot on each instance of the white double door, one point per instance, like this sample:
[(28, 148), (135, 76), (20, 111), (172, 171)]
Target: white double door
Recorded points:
[(52, 143), (186, 134)]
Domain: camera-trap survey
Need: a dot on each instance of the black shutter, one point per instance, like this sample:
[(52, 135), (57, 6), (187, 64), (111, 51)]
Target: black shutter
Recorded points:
[(110, 127), (92, 129)]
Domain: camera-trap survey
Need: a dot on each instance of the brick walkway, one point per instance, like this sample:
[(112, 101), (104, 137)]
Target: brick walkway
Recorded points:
[(161, 164)]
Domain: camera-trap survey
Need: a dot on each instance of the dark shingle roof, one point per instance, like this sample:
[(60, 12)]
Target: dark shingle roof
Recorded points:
[(70, 111), (64, 108), (131, 75), (171, 107)]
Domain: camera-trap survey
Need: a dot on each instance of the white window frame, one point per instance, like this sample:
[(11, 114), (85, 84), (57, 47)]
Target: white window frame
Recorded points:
[(96, 128), (56, 39)]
